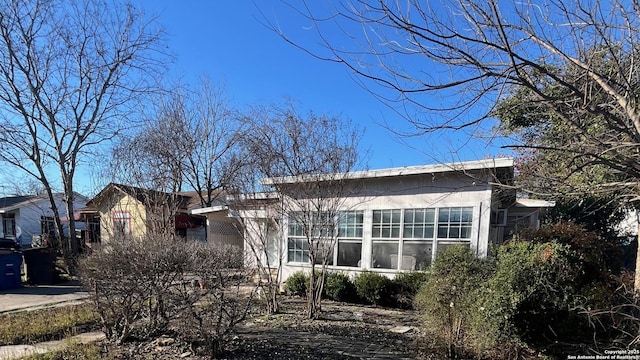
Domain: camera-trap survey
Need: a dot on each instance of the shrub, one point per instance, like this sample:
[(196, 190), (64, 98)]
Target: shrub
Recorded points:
[(528, 299), (147, 284), (297, 284), (373, 288), (447, 300), (405, 287), (130, 280), (339, 287), (209, 313)]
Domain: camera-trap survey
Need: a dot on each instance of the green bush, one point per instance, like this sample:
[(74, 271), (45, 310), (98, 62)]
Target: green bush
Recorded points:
[(447, 300), (405, 287), (297, 284), (373, 288), (338, 287), (528, 300)]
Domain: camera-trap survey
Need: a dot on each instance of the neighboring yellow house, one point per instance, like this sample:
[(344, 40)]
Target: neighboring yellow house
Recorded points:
[(130, 211)]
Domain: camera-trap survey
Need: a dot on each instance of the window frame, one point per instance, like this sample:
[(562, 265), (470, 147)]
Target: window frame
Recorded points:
[(428, 226), (356, 238), (327, 230), (9, 218), (123, 217)]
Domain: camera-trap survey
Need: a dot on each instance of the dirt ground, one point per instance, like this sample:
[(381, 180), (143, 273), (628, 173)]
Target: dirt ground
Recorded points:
[(346, 331)]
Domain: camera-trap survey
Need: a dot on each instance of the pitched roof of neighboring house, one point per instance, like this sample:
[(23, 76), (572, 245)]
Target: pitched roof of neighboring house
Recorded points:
[(144, 196), (184, 199), (218, 197), (13, 202), (10, 203), (466, 166)]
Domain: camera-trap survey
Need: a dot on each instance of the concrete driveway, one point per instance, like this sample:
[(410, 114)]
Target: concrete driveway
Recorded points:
[(33, 297)]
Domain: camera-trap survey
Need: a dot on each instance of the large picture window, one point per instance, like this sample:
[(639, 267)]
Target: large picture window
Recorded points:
[(405, 239)]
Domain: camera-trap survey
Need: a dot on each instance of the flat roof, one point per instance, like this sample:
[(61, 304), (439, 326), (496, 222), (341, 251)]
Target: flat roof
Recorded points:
[(399, 171)]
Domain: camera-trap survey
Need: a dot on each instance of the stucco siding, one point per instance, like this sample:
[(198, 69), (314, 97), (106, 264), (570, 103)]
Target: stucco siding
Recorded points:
[(122, 204), (435, 191)]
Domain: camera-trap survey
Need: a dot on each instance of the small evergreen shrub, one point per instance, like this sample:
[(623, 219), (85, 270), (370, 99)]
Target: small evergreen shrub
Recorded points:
[(405, 287), (297, 284), (528, 299), (339, 287), (447, 300), (373, 288)]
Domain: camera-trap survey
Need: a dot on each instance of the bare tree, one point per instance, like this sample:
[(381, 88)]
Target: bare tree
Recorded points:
[(190, 142), (307, 162), (449, 63), (71, 74)]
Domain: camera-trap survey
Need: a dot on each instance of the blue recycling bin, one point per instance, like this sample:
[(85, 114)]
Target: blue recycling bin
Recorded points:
[(10, 263)]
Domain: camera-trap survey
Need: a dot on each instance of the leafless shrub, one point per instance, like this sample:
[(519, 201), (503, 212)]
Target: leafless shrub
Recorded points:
[(156, 283), (209, 311), (128, 281), (619, 324)]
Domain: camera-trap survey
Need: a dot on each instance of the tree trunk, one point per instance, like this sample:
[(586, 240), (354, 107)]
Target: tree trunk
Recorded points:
[(72, 252)]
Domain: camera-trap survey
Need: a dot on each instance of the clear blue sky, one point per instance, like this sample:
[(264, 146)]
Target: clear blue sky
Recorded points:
[(226, 41)]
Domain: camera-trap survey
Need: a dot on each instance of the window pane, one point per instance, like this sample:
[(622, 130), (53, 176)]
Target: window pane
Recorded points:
[(429, 216), (443, 231), (395, 232), (350, 224), (443, 215), (376, 216), (396, 216), (465, 232), (467, 215), (408, 231), (409, 215), (376, 231), (358, 232), (349, 254), (386, 232), (454, 232), (386, 217), (454, 217), (385, 255), (428, 231), (416, 256)]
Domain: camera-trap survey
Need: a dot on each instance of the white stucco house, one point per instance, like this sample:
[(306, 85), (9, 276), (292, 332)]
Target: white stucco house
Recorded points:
[(386, 220), (29, 216)]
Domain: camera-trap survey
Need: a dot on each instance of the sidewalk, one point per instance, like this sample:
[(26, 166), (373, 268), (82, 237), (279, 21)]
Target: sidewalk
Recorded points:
[(35, 297), (17, 351)]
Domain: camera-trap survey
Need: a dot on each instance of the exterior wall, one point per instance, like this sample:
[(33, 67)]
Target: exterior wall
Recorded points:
[(431, 191), (126, 204)]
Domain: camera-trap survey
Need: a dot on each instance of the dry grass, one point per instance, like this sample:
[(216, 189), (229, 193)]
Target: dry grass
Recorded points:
[(73, 351), (28, 327)]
